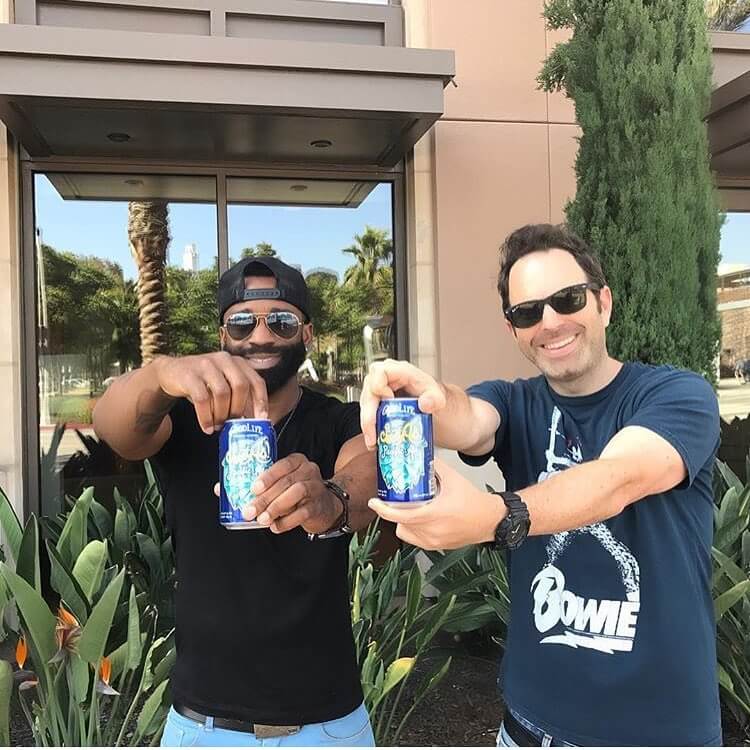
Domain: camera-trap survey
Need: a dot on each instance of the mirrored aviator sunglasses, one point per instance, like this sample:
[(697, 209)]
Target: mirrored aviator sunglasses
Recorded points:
[(285, 325), (571, 299)]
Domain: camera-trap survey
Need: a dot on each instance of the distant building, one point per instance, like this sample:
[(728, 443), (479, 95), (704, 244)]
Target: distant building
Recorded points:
[(190, 258), (733, 303)]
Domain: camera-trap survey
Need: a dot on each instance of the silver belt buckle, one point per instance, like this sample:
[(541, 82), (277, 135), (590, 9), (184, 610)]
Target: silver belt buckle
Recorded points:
[(266, 731)]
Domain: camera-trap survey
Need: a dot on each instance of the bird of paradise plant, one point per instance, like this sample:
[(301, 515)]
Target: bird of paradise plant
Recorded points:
[(95, 653)]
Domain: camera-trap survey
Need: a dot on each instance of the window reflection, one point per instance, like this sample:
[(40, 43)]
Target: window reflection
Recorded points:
[(126, 269), (339, 233)]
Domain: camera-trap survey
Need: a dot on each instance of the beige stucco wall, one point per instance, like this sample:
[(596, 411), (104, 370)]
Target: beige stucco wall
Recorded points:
[(10, 306), (501, 156)]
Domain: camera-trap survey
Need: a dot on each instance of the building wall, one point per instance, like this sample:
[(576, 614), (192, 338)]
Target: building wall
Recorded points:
[(10, 305), (735, 331), (502, 156)]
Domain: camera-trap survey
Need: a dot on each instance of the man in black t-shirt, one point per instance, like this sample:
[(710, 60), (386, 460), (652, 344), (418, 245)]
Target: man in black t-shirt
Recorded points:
[(265, 653)]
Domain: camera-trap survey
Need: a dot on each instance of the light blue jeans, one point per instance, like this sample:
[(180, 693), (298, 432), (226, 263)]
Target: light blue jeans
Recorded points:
[(353, 730)]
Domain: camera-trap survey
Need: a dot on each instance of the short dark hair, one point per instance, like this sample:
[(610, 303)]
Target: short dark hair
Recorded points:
[(534, 237)]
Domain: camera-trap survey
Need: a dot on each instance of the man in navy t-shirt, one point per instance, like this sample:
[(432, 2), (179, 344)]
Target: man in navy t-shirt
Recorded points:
[(607, 513)]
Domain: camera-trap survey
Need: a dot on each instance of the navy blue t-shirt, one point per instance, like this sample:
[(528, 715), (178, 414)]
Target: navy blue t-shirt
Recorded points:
[(612, 635)]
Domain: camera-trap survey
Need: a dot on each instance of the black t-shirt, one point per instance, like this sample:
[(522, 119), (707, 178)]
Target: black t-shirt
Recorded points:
[(263, 620)]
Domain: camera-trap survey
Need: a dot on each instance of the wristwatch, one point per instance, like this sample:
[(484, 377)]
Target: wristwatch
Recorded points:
[(341, 525), (512, 531)]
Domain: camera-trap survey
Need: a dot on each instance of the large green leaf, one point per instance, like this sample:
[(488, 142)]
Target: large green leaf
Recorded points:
[(729, 533), (27, 563), (413, 595), (731, 479), (119, 660), (150, 476), (135, 642), (154, 711), (468, 617), (726, 566), (89, 568), (74, 534), (80, 674), (156, 653), (729, 598), (5, 598), (435, 677), (10, 525), (356, 597), (396, 672), (6, 689), (472, 581), (436, 619), (124, 527), (502, 609), (63, 582), (150, 553), (96, 631), (163, 669), (102, 519), (40, 622), (155, 524), (727, 685), (442, 562), (729, 507)]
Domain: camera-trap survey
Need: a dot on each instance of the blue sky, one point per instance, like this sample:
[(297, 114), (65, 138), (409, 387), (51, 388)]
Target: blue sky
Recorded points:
[(735, 239), (309, 237)]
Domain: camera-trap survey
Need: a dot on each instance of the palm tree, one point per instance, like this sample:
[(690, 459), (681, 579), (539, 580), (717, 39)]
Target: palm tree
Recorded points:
[(372, 249), (148, 234), (262, 249), (727, 15)]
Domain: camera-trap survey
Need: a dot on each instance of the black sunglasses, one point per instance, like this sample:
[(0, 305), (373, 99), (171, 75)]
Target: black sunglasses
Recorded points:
[(567, 301), (285, 325)]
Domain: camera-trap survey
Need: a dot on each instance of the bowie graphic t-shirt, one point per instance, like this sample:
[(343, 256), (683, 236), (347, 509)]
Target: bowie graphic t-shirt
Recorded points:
[(612, 635)]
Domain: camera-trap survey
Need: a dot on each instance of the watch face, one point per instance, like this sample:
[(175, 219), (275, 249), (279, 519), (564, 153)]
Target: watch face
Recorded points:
[(517, 530)]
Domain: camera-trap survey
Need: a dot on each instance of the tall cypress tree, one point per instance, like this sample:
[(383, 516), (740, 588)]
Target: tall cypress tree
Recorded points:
[(639, 72)]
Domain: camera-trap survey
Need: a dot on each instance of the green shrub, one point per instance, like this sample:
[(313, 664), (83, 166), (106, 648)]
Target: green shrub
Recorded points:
[(731, 592), (94, 655)]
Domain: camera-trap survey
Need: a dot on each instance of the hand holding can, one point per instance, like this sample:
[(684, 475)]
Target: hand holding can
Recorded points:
[(247, 447), (406, 470), (392, 377)]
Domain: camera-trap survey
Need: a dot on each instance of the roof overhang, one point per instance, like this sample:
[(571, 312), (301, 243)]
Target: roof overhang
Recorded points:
[(83, 92), (181, 188), (729, 118)]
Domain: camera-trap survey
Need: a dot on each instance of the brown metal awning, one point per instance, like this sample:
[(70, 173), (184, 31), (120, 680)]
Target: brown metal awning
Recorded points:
[(288, 81), (729, 119)]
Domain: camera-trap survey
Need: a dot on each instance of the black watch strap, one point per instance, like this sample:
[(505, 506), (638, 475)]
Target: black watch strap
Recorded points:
[(341, 525), (512, 531)]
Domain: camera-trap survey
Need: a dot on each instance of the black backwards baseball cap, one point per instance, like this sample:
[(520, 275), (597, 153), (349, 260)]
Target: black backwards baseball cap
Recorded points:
[(290, 287)]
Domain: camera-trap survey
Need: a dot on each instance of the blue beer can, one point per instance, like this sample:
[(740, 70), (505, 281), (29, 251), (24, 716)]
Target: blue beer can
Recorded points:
[(247, 447), (406, 470)]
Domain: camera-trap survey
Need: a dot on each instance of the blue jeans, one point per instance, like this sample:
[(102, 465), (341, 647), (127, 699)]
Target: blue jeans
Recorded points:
[(545, 740), (353, 730)]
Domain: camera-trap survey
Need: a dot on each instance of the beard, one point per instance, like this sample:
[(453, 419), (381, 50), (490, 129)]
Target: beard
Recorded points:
[(291, 357)]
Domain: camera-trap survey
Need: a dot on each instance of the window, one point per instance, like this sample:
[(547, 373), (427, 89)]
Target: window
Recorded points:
[(339, 233), (127, 267), (733, 299)]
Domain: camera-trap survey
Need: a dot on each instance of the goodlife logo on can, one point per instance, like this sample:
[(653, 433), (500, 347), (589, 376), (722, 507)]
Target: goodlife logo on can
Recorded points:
[(398, 408), (245, 427)]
